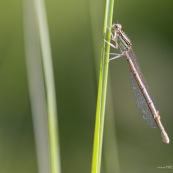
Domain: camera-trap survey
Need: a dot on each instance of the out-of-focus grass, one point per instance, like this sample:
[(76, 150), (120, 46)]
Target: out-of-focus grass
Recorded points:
[(36, 86), (52, 119)]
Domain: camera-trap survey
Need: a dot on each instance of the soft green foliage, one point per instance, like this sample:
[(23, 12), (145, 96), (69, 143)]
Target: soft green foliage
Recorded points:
[(49, 86)]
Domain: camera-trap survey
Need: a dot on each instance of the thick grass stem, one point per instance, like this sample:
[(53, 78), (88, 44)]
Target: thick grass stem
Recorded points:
[(102, 87)]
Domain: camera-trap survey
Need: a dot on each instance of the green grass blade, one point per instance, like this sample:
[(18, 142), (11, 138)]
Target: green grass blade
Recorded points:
[(101, 100), (50, 86), (36, 86)]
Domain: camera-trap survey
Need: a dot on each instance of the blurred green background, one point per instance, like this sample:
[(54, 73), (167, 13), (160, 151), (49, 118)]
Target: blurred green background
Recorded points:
[(76, 37)]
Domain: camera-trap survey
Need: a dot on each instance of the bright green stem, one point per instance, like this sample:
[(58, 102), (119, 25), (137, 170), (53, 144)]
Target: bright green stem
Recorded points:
[(50, 86), (101, 99)]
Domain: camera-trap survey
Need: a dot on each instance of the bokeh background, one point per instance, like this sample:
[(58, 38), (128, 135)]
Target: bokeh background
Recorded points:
[(76, 37)]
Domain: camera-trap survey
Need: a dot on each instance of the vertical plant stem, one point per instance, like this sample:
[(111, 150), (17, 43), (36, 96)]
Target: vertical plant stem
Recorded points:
[(50, 86), (102, 87), (36, 86)]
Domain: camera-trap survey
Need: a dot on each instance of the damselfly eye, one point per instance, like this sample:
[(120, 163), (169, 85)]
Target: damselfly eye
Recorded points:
[(118, 26)]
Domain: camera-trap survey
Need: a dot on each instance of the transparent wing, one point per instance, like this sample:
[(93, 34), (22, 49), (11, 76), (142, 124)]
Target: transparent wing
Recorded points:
[(141, 103)]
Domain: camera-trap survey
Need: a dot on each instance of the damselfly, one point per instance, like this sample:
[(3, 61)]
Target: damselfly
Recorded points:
[(143, 97)]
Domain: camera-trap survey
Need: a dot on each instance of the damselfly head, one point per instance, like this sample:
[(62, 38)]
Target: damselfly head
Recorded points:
[(116, 27)]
